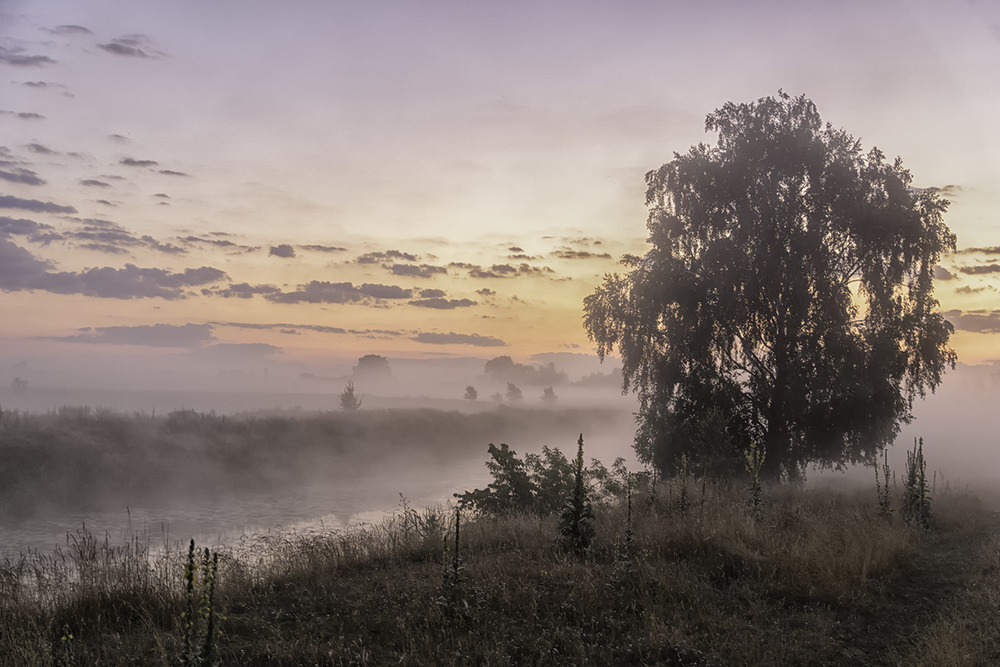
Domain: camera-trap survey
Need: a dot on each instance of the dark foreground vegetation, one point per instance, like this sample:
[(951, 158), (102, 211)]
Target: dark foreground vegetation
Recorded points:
[(685, 571)]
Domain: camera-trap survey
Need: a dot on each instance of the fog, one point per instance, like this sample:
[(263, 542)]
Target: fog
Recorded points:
[(279, 453), (217, 462)]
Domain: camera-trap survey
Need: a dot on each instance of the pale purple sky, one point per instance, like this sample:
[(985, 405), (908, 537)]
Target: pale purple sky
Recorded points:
[(425, 179)]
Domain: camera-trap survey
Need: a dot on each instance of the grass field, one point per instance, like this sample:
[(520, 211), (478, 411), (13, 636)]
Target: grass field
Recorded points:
[(816, 577)]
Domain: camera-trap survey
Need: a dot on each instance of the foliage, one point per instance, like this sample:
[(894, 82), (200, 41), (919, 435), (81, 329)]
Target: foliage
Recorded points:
[(511, 489), (349, 400), (576, 523), (513, 392), (471, 394), (549, 396), (789, 285), (916, 508), (540, 484), (505, 369), (373, 368)]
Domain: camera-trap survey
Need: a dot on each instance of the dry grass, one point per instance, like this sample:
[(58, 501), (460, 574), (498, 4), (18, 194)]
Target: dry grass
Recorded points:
[(820, 578)]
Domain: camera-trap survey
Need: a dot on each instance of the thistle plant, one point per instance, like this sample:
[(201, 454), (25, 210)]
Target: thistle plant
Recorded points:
[(916, 499), (576, 527), (451, 594), (200, 628)]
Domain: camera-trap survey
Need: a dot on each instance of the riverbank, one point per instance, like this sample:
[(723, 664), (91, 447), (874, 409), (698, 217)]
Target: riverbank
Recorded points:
[(815, 577)]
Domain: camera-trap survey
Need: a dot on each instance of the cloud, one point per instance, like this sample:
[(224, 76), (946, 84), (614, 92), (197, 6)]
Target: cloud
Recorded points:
[(20, 271), (283, 250), (950, 190), (7, 201), (132, 46), (96, 231), (980, 270), (567, 253), (318, 291), (119, 138), (515, 248), (978, 321), (24, 115), (283, 327), (153, 335), (386, 256), (941, 273), (131, 162), (167, 248), (443, 304), (39, 148), (385, 291), (94, 183), (992, 250), (458, 339), (415, 271), (968, 289), (503, 270), (70, 30), (431, 293), (323, 248), (245, 291), (23, 176), (219, 243), (18, 59), (20, 226), (171, 172)]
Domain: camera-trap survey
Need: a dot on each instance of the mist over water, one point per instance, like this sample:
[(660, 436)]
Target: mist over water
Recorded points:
[(960, 425), (299, 463)]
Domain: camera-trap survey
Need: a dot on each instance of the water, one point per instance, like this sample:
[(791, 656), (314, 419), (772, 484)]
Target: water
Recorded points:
[(223, 521)]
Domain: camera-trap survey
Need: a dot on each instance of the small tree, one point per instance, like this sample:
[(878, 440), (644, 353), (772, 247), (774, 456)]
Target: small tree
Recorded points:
[(471, 394), (513, 392), (348, 399), (19, 385), (549, 396)]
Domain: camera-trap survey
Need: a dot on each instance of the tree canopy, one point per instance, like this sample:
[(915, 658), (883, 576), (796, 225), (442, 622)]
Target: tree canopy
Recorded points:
[(786, 298)]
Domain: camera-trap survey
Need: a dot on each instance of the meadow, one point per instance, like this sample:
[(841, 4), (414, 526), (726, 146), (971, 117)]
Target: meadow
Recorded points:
[(685, 571)]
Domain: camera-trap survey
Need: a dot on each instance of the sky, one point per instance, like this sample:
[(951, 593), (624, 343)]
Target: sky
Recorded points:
[(268, 188)]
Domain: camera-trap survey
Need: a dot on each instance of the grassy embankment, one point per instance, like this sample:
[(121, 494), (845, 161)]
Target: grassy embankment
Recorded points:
[(815, 577)]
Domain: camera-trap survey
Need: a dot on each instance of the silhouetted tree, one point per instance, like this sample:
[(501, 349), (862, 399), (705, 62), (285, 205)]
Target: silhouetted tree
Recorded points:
[(513, 392), (19, 385), (788, 286), (549, 396), (348, 399), (373, 368), (505, 369), (471, 394)]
